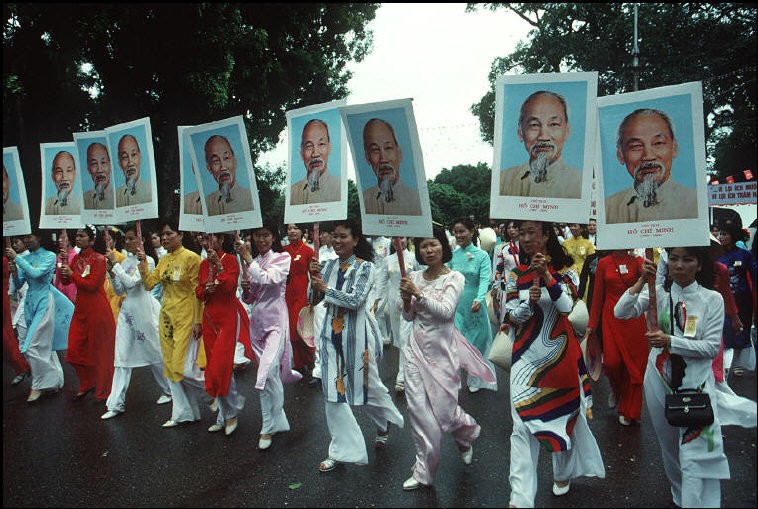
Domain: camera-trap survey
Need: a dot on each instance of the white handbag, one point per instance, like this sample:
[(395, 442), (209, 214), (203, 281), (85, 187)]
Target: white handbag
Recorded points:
[(579, 317), (501, 351)]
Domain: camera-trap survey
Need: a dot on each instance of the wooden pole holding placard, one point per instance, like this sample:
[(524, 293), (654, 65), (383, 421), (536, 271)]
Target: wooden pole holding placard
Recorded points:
[(237, 239), (211, 267), (399, 251), (315, 240), (139, 236), (652, 312), (62, 249)]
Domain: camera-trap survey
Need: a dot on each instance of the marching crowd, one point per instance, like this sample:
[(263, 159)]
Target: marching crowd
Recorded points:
[(197, 307)]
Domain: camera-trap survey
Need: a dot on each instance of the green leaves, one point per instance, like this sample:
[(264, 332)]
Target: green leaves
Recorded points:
[(179, 64), (712, 43)]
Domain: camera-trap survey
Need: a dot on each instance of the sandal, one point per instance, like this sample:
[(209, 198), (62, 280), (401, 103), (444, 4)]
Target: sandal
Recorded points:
[(381, 438), (328, 465)]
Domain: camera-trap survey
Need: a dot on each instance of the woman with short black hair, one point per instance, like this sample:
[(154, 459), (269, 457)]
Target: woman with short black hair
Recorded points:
[(434, 354)]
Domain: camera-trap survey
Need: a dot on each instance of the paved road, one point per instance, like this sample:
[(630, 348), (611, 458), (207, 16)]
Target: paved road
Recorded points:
[(58, 453)]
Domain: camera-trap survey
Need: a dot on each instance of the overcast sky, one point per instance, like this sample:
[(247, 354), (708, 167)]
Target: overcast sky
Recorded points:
[(440, 56)]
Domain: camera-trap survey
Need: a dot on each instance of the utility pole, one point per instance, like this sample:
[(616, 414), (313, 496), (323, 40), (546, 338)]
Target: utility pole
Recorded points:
[(636, 54)]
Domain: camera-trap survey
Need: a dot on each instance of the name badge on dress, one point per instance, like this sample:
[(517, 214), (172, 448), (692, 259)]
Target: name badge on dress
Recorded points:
[(177, 276), (86, 271), (737, 263), (623, 269), (296, 258), (690, 326)]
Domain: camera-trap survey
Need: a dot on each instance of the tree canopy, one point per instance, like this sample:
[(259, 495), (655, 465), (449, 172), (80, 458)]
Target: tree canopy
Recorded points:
[(679, 42), (462, 190), (83, 67)]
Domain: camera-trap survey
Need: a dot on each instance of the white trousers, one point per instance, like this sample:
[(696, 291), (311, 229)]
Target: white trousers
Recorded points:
[(347, 444), (122, 377), (272, 403), (742, 357), (583, 459), (186, 397), (404, 331), (319, 315), (239, 355), (45, 365), (21, 331), (231, 405)]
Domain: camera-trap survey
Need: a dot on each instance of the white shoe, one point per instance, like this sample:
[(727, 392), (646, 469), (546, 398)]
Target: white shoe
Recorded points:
[(165, 398), (411, 484), (229, 428), (215, 428), (264, 443), (561, 490), (109, 414), (170, 424), (612, 400), (19, 378), (624, 421), (468, 455)]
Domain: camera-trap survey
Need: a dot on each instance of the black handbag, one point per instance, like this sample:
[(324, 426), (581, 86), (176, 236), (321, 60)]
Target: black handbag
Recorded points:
[(687, 408)]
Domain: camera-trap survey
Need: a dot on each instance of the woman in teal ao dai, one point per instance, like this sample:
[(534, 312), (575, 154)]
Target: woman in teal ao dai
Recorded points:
[(471, 314), (48, 314)]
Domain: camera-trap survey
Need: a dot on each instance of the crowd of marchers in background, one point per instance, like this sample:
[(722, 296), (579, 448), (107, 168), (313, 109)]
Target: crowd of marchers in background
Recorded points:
[(197, 307)]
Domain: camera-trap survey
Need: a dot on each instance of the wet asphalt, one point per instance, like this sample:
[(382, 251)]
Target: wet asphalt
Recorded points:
[(59, 453)]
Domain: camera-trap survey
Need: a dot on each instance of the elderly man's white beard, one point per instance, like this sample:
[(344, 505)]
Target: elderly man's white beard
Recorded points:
[(538, 166), (385, 187), (63, 191), (313, 178), (100, 191), (647, 190), (131, 184), (225, 190)]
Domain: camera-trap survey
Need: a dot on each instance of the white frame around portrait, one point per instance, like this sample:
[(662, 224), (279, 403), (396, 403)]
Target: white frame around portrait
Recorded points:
[(21, 226), (142, 131), (663, 232), (82, 142), (188, 222), (232, 220), (353, 118), (323, 211), (544, 208), (54, 221)]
